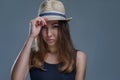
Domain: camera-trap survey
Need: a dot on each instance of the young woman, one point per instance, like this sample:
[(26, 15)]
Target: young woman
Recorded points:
[(53, 57)]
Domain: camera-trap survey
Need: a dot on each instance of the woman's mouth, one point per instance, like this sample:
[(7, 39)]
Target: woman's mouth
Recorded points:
[(50, 40)]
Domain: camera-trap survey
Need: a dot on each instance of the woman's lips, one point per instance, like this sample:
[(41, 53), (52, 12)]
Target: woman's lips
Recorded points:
[(50, 40)]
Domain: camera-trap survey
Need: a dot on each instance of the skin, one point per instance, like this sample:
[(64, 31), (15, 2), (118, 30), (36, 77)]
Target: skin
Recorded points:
[(50, 33), (20, 68)]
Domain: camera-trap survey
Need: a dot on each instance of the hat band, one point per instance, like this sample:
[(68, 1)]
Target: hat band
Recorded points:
[(52, 14)]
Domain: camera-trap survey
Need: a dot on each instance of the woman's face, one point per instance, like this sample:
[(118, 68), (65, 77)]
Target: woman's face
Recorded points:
[(50, 33)]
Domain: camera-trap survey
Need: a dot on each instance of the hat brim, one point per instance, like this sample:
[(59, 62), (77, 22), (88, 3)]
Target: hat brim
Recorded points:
[(51, 18)]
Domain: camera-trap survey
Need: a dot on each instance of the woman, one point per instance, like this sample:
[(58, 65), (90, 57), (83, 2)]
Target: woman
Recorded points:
[(53, 57)]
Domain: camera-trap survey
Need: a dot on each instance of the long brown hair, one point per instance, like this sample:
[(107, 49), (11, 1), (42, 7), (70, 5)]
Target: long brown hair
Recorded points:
[(64, 46)]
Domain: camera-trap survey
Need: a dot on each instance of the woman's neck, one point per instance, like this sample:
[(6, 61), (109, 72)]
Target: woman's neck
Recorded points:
[(52, 50)]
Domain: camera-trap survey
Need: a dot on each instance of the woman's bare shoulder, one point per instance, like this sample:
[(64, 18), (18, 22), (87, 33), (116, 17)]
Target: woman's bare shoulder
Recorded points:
[(81, 56), (81, 53)]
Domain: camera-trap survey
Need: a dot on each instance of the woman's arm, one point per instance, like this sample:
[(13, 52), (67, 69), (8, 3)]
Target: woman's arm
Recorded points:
[(80, 66), (21, 65)]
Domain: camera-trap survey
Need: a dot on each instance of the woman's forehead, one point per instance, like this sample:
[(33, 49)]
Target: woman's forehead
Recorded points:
[(52, 22)]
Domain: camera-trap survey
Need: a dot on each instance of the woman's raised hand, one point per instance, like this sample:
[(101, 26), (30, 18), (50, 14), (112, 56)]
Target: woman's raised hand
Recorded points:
[(36, 25)]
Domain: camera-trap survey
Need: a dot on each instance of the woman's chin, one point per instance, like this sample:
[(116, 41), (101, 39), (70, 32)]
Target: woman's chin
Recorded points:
[(51, 44)]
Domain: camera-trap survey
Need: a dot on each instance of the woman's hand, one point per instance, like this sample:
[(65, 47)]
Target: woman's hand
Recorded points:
[(36, 25), (22, 63)]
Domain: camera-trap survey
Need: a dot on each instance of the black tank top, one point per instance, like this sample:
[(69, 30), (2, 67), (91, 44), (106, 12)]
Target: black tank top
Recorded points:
[(51, 73)]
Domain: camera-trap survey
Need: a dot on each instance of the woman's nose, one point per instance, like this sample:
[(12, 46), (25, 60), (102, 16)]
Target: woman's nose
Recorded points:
[(49, 33)]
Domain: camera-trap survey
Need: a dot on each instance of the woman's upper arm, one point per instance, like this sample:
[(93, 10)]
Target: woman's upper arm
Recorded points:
[(80, 65)]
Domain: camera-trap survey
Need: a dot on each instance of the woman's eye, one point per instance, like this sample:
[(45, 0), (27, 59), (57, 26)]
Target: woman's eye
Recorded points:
[(44, 27), (56, 26)]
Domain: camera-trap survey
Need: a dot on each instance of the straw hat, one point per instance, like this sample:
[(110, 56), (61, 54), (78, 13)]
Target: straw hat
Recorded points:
[(53, 10)]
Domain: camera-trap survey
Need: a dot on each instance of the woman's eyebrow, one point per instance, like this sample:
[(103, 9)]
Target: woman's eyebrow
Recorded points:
[(55, 24)]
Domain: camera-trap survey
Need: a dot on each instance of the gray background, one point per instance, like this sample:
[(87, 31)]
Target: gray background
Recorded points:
[(95, 28)]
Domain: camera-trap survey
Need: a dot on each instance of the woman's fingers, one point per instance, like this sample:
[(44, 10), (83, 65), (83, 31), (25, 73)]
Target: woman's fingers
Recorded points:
[(39, 21), (43, 21), (36, 25)]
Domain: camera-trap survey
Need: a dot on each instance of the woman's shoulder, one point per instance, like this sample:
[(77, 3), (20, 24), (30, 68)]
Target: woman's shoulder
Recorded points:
[(81, 53), (81, 56), (81, 64)]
